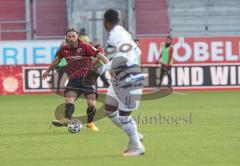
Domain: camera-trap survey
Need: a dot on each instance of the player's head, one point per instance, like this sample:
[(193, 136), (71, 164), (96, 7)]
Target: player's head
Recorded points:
[(168, 41), (111, 18), (72, 37)]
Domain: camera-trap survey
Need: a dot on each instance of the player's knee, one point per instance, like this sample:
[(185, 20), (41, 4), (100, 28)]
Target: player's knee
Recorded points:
[(91, 100), (70, 94), (124, 113), (69, 99), (91, 103), (111, 114), (110, 108)]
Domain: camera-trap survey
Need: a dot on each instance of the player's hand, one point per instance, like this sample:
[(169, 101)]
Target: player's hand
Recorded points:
[(158, 61), (100, 70), (45, 75)]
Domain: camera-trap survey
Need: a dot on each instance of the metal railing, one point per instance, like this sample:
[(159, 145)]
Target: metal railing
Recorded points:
[(26, 22), (4, 30)]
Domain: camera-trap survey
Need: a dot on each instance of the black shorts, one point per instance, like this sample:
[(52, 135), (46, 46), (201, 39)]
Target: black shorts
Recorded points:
[(78, 86), (165, 70)]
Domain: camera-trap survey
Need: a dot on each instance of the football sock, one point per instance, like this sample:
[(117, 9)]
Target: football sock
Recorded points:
[(69, 110), (128, 124), (114, 116), (90, 114)]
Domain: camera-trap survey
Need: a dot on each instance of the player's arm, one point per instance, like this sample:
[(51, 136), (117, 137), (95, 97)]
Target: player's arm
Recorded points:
[(106, 66), (102, 57), (159, 58), (93, 52), (52, 66)]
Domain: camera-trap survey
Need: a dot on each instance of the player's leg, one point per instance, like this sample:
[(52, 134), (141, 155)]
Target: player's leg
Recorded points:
[(104, 79), (135, 146), (70, 97), (91, 110), (71, 93), (112, 113), (126, 106), (61, 71), (162, 72), (69, 109), (111, 110), (123, 119), (111, 106), (169, 77)]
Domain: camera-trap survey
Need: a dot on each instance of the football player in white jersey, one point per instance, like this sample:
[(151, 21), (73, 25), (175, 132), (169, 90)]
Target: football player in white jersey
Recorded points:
[(127, 81)]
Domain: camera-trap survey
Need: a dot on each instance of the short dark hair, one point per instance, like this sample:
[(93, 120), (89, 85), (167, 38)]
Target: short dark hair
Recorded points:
[(112, 16), (72, 30), (169, 37)]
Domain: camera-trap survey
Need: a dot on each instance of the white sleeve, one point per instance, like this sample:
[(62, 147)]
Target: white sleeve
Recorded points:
[(113, 40), (110, 65), (106, 67)]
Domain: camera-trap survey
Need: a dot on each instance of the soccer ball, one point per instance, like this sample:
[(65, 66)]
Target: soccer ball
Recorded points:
[(74, 126)]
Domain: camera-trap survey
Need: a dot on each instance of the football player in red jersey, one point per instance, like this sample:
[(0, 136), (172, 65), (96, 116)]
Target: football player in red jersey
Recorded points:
[(79, 62)]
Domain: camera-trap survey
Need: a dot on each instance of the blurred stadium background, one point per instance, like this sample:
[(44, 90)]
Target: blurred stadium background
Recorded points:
[(206, 37)]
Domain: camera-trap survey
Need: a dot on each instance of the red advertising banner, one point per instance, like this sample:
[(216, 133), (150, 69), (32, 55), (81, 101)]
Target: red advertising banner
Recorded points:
[(27, 79), (194, 50), (11, 80), (199, 63)]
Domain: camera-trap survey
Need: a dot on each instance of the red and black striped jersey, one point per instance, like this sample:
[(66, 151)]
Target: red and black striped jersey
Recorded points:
[(79, 60)]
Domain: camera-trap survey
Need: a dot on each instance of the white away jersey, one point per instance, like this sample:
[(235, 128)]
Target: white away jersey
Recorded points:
[(117, 37)]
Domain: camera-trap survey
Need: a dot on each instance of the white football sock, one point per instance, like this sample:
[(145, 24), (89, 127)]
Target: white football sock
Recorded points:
[(128, 124), (114, 116)]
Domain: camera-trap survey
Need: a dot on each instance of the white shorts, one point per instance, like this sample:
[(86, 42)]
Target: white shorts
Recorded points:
[(126, 99)]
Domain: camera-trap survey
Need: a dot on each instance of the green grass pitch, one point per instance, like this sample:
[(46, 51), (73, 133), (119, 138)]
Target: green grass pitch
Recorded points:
[(205, 132)]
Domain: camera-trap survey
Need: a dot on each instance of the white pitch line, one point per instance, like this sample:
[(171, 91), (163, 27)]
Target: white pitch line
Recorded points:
[(180, 93)]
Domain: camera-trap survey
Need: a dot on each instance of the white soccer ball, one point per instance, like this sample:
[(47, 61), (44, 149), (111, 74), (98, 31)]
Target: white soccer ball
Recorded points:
[(74, 126)]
